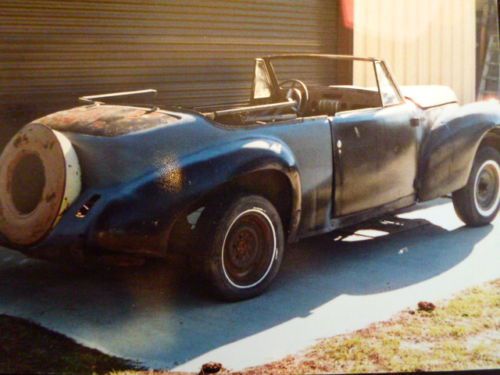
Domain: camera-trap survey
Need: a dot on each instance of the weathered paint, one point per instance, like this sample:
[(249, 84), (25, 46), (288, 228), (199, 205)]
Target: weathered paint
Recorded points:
[(61, 175), (449, 148), (140, 199), (106, 120)]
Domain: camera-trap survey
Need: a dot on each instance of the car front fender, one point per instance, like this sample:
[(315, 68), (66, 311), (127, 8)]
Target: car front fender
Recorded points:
[(449, 149)]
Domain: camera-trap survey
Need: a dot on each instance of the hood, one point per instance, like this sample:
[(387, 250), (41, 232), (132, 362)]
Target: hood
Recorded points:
[(106, 120), (429, 96)]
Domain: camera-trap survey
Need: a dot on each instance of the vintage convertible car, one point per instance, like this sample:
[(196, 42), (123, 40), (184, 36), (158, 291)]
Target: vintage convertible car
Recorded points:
[(325, 142)]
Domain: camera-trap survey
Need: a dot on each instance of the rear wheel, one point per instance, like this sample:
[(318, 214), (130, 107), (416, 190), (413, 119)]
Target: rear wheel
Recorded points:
[(479, 201), (244, 246)]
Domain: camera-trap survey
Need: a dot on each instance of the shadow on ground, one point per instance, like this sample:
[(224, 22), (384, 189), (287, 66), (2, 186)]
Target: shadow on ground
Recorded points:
[(160, 312)]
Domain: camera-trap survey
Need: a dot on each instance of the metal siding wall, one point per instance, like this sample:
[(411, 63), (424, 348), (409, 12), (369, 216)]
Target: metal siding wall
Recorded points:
[(423, 41), (193, 52)]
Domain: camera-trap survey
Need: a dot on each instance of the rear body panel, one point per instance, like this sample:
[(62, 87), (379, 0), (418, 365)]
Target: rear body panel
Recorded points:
[(145, 179)]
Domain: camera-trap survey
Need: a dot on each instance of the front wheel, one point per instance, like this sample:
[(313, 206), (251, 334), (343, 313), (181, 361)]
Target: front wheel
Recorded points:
[(242, 246), (479, 201)]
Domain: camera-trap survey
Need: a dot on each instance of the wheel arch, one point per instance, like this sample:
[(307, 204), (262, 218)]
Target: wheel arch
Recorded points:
[(491, 139), (272, 184), (273, 175)]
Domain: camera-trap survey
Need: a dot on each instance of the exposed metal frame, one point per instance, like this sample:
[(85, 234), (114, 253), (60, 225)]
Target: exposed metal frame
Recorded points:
[(249, 109), (271, 75), (92, 99), (391, 79), (274, 81), (320, 55)]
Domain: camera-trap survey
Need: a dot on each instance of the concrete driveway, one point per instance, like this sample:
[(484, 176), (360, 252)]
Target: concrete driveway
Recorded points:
[(328, 285)]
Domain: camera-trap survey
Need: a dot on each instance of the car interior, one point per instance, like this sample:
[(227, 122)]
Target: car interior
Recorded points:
[(328, 92)]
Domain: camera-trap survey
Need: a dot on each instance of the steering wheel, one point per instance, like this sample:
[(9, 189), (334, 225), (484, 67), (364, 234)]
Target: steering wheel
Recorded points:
[(297, 92)]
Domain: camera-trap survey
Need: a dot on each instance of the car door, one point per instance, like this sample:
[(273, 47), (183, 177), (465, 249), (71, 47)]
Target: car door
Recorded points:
[(375, 151), (356, 141), (399, 140)]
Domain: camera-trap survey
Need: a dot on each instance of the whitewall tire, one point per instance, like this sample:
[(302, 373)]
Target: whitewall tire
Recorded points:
[(479, 201)]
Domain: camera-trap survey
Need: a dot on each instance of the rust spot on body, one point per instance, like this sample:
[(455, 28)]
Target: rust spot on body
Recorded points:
[(50, 197), (20, 140), (17, 141), (171, 175), (48, 145), (105, 120)]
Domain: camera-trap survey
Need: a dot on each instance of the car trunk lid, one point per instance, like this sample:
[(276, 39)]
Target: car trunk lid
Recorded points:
[(106, 120)]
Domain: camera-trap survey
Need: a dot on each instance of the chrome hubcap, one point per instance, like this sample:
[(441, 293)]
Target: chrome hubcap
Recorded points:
[(487, 188), (249, 249)]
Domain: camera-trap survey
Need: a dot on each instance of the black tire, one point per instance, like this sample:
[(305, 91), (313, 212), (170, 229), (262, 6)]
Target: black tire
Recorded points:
[(241, 245), (478, 202)]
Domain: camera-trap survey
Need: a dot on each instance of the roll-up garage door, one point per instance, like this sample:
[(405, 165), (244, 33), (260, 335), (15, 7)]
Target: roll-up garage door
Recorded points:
[(194, 52)]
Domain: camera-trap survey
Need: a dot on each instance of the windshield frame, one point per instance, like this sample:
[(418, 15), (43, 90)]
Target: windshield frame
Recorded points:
[(268, 60)]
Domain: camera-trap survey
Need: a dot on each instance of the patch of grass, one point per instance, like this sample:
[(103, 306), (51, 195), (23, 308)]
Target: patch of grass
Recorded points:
[(459, 334), (26, 347)]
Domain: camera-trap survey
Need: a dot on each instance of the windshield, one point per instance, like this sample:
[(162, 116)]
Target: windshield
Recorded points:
[(325, 71)]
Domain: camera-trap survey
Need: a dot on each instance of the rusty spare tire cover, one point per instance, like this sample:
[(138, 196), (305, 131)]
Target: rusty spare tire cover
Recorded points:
[(39, 179)]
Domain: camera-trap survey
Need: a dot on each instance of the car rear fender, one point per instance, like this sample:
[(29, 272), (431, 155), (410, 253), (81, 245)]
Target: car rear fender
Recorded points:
[(149, 208), (211, 170), (449, 148)]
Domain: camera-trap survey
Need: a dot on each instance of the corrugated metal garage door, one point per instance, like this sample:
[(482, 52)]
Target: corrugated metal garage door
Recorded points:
[(193, 52)]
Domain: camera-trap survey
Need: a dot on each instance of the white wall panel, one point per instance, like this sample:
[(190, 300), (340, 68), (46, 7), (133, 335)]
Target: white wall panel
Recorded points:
[(423, 41)]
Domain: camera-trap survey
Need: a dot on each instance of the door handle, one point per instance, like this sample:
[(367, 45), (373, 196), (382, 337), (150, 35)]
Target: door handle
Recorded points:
[(415, 122)]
